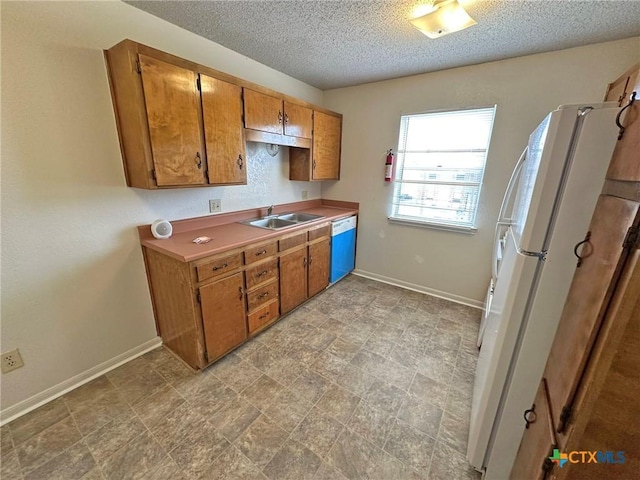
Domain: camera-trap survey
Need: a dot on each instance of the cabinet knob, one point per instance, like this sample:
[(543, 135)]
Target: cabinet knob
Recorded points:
[(198, 160), (279, 117), (240, 162)]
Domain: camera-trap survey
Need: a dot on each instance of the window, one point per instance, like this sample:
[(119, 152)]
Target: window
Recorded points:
[(440, 164)]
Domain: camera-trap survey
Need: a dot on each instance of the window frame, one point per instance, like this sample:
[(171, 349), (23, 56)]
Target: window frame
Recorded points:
[(393, 217)]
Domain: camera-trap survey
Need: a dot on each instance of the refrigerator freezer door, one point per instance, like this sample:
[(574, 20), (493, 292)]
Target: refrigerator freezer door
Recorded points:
[(502, 325)]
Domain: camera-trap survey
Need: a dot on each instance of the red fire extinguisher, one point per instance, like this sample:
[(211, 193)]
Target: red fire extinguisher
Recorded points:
[(388, 167)]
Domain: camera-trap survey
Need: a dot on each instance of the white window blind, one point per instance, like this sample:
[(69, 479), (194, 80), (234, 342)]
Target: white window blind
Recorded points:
[(440, 165)]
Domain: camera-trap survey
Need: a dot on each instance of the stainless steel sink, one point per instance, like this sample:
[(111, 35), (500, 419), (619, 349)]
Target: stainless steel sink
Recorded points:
[(299, 217), (270, 223), (279, 222)]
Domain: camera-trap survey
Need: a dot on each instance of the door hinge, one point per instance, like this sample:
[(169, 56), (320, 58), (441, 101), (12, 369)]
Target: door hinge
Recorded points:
[(565, 415), (198, 298), (153, 174), (632, 239), (198, 84), (138, 67)]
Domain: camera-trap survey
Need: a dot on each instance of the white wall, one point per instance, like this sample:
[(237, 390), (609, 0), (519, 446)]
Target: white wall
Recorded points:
[(525, 90), (74, 292)]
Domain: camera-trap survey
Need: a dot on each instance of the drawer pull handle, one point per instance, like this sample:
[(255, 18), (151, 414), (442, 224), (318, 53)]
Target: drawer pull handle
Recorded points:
[(240, 292), (263, 316), (262, 273), (262, 252), (279, 117), (310, 259), (224, 265), (618, 123), (240, 162), (265, 294), (530, 416)]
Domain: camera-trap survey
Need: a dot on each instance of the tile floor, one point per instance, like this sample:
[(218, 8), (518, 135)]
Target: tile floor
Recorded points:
[(366, 381)]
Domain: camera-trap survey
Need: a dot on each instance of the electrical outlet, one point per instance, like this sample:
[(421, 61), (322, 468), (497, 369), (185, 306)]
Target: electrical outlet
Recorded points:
[(215, 206), (304, 194), (11, 360)]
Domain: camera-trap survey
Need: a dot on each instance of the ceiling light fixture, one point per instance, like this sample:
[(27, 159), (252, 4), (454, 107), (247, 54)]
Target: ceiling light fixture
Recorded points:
[(446, 17)]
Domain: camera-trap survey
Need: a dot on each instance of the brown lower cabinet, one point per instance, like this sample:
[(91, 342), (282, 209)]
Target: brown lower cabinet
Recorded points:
[(223, 314), (207, 307)]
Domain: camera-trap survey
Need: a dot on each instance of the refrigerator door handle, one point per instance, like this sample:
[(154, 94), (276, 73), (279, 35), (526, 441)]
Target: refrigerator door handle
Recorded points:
[(541, 255), (515, 175)]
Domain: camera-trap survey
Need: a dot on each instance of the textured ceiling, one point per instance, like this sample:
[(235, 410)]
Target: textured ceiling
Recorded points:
[(330, 44)]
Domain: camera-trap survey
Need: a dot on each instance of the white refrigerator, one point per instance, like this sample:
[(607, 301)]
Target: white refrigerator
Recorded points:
[(545, 214)]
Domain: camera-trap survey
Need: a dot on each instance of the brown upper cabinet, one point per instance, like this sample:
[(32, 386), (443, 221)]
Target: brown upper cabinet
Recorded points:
[(620, 89), (322, 162), (181, 124), (274, 115)]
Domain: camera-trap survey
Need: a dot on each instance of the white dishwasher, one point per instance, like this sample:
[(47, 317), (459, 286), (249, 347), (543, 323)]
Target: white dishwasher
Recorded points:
[(343, 247)]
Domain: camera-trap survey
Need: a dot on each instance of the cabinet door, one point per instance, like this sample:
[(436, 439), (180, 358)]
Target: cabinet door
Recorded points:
[(262, 112), (293, 279), (298, 120), (223, 132), (532, 461), (223, 315), (624, 162), (327, 136), (319, 256), (172, 102), (587, 300)]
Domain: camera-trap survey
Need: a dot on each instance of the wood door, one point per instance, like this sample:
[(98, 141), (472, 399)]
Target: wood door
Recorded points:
[(620, 89), (327, 139), (223, 315), (319, 257), (586, 303), (223, 132), (263, 112), (172, 102), (624, 162), (293, 279), (298, 120), (532, 461)]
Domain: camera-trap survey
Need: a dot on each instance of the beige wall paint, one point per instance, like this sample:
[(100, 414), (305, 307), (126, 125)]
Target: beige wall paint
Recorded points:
[(74, 291), (525, 90)]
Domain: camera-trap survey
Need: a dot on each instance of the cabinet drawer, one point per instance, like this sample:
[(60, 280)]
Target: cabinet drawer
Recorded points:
[(262, 295), (219, 266), (262, 317), (292, 241), (254, 254), (320, 231), (261, 273)]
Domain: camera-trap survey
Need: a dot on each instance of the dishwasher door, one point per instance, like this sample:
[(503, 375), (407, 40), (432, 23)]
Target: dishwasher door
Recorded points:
[(343, 247)]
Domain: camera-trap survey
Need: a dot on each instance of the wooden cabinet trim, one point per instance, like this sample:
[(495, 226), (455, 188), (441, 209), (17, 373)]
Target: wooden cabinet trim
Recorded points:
[(291, 241), (221, 265), (261, 273), (259, 252), (262, 295), (319, 231), (262, 318)]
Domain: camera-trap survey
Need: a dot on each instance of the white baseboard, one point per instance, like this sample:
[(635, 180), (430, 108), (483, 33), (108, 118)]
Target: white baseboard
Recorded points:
[(419, 288), (60, 389)]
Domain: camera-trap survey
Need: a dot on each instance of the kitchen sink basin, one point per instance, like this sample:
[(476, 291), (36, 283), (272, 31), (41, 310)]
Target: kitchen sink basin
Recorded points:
[(299, 217), (279, 222), (270, 223)]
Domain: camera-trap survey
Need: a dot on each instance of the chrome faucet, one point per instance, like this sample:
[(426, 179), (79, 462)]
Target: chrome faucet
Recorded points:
[(270, 211)]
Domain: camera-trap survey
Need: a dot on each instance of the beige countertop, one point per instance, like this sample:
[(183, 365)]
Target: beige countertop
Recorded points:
[(227, 234)]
